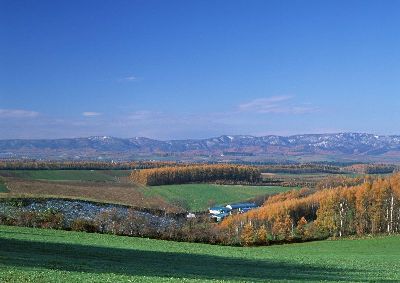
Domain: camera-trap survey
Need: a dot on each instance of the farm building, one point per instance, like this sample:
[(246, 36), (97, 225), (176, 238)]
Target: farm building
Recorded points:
[(218, 210), (241, 207), (219, 217), (190, 215)]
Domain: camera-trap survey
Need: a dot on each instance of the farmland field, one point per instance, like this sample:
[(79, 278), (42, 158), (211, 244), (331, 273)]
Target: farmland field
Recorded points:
[(67, 175), (306, 179), (198, 197), (112, 186), (37, 255), (95, 191)]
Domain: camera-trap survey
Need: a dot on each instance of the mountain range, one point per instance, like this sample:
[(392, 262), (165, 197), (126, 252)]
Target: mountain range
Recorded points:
[(308, 147)]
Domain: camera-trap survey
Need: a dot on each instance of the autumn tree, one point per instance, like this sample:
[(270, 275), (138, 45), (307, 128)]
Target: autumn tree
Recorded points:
[(247, 235)]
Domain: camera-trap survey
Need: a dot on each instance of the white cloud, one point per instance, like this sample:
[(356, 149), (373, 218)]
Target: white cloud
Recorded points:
[(91, 114), (276, 104), (130, 78), (17, 113), (162, 124)]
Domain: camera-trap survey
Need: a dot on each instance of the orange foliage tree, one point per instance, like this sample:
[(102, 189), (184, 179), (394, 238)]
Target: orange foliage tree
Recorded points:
[(369, 208), (196, 174)]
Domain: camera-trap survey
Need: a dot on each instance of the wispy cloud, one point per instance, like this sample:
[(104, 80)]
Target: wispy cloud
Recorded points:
[(157, 123), (276, 104), (17, 113), (130, 78), (91, 114), (152, 116)]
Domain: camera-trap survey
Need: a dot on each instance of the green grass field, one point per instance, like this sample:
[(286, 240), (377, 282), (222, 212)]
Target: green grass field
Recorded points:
[(67, 175), (197, 197), (3, 187), (35, 255)]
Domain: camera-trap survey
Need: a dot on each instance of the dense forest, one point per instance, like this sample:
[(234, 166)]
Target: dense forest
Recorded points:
[(372, 207), (196, 174)]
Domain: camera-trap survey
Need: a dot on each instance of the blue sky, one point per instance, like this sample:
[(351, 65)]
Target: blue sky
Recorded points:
[(194, 69)]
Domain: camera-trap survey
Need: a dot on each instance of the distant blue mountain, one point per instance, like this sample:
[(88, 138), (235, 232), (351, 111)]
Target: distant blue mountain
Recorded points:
[(343, 146)]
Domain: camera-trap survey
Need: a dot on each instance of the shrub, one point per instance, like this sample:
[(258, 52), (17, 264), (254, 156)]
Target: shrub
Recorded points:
[(83, 225), (51, 219)]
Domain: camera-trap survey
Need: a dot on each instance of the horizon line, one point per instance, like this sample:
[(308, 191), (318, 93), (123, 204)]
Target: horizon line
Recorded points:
[(211, 137)]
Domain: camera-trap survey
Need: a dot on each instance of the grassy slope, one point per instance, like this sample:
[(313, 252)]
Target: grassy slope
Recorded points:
[(199, 196), (67, 175), (36, 255)]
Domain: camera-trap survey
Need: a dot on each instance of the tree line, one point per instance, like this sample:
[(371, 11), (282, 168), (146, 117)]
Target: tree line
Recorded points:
[(301, 168), (81, 165), (372, 168), (196, 174)]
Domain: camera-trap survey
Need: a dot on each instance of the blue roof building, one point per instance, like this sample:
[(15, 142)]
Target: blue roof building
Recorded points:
[(241, 206)]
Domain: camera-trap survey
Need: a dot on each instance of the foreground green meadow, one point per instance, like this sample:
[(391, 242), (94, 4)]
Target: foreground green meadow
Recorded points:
[(35, 255)]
